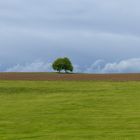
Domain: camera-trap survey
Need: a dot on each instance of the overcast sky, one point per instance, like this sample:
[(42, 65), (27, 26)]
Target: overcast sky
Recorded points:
[(94, 34)]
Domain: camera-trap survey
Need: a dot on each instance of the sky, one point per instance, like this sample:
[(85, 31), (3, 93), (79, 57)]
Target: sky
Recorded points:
[(99, 36)]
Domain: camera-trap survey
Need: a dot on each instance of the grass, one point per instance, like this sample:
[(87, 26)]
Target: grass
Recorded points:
[(69, 110)]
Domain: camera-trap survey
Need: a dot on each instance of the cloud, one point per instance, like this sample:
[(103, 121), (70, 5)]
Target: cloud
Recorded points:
[(124, 66), (96, 67), (77, 68), (83, 30), (31, 67), (37, 66), (100, 66)]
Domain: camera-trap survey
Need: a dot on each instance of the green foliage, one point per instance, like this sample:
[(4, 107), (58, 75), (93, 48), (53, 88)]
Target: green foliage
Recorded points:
[(62, 64), (58, 110)]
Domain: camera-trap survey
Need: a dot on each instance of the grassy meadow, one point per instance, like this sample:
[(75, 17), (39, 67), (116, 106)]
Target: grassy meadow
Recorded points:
[(67, 110)]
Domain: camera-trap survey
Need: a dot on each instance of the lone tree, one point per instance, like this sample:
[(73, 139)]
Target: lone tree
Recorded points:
[(62, 64)]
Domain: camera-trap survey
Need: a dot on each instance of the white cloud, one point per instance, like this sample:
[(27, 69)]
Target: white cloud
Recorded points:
[(96, 66), (100, 66), (77, 68), (31, 67), (124, 66), (37, 66)]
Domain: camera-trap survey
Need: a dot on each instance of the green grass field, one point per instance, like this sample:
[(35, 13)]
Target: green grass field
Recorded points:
[(69, 110)]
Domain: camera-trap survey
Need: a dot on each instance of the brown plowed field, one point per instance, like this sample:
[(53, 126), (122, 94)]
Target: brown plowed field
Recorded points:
[(74, 77)]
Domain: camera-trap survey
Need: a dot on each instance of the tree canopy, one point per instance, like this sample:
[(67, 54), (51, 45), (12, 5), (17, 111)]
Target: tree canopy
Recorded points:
[(62, 64)]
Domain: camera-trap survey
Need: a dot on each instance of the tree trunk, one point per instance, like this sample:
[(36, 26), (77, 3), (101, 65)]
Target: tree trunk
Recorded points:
[(65, 71)]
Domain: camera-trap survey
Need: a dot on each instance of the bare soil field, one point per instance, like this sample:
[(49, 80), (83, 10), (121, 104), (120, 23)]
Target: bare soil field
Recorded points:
[(71, 77)]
